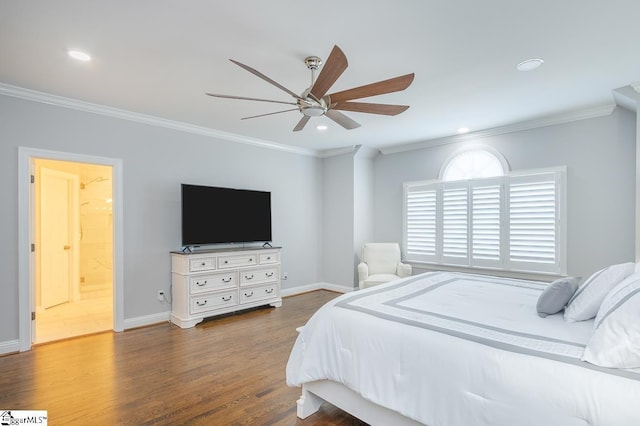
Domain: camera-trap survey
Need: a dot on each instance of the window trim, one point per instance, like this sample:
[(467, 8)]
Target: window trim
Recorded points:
[(503, 265)]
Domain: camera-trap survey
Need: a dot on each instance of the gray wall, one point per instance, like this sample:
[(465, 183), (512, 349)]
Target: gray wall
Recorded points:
[(600, 157), (337, 226), (363, 207), (155, 161), (348, 214)]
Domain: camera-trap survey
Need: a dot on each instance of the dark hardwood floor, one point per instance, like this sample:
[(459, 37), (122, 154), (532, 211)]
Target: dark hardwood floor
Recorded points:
[(224, 371)]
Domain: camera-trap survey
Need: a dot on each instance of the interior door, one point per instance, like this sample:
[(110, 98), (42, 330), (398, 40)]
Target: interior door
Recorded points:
[(55, 237)]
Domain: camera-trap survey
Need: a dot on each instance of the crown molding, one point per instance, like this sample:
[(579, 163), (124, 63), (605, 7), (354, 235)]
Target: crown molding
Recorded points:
[(364, 152), (334, 152), (626, 97), (360, 150), (47, 98), (550, 120)]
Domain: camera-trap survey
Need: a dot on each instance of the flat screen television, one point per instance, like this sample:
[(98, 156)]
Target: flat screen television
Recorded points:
[(214, 215)]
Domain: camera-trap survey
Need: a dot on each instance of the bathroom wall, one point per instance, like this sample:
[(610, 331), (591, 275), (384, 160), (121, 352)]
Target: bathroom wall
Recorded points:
[(96, 228)]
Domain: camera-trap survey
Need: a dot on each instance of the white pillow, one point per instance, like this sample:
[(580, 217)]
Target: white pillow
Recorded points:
[(615, 297), (615, 342), (586, 301)]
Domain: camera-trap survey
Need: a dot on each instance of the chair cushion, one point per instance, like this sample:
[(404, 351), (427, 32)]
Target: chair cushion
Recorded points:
[(379, 279)]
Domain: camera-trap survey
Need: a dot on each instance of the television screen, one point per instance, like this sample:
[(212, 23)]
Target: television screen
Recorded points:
[(213, 215)]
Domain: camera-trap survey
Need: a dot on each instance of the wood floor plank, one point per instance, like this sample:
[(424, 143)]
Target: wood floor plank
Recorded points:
[(224, 371)]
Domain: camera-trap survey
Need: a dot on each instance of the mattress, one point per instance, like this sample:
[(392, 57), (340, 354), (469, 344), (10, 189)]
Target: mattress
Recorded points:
[(450, 349)]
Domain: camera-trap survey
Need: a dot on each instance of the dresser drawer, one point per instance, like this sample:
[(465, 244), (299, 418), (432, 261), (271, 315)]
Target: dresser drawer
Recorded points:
[(267, 258), (202, 264), (250, 294), (213, 301), (257, 276), (236, 261), (202, 283)]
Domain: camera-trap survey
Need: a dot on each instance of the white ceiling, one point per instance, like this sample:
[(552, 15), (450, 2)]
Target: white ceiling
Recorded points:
[(159, 57)]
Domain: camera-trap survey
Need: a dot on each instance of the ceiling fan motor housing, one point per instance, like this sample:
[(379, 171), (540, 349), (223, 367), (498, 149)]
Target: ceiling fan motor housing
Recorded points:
[(311, 108)]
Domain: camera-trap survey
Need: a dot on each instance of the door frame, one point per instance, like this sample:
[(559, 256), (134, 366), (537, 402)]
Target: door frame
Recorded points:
[(26, 234)]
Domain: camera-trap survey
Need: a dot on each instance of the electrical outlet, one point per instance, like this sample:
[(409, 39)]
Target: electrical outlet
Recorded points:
[(161, 295)]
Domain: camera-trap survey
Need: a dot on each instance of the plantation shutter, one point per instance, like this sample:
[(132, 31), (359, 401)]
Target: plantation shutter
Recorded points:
[(486, 222), (512, 222), (534, 222), (420, 222), (455, 222)]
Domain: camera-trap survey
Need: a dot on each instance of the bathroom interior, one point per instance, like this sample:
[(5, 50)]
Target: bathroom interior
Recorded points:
[(74, 267)]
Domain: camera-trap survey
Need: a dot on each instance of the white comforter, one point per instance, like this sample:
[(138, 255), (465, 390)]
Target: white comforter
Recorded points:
[(450, 349)]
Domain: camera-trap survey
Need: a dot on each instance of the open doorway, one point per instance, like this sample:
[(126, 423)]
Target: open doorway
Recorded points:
[(27, 237), (73, 280)]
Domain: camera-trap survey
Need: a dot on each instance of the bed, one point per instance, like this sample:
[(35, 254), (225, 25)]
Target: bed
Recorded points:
[(454, 349)]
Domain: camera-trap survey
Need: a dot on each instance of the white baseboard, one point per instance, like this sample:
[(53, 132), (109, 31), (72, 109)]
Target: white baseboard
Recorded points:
[(285, 292), (9, 346), (14, 345), (146, 320), (337, 287)]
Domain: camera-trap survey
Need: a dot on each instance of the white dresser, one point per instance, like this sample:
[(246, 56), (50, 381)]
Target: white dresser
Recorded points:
[(213, 282)]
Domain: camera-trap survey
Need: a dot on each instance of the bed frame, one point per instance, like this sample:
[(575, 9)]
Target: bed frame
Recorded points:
[(315, 393)]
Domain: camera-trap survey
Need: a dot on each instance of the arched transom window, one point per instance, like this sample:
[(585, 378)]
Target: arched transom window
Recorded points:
[(474, 164)]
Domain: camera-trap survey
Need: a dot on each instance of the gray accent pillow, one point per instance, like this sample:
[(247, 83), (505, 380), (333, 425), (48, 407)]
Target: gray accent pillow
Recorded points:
[(555, 297)]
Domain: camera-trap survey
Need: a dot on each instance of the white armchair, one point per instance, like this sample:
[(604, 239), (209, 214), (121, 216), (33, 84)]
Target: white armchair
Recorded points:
[(380, 263)]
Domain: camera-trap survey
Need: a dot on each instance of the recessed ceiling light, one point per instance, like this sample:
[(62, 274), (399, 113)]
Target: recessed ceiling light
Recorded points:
[(463, 130), (530, 64), (321, 127), (79, 55)]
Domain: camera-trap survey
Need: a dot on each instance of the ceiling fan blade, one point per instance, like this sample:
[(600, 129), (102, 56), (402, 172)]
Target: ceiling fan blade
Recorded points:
[(249, 99), (265, 78), (384, 109), (332, 69), (301, 123), (270, 113), (381, 87), (342, 119)]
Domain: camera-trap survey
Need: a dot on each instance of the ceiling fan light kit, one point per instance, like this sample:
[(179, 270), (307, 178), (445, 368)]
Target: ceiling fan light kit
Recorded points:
[(315, 102)]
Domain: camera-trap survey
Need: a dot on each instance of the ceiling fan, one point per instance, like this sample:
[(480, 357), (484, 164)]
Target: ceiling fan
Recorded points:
[(315, 101)]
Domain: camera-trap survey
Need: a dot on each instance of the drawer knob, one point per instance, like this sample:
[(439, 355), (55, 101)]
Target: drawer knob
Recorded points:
[(250, 259), (226, 298), (268, 290), (226, 261), (268, 257), (269, 274), (248, 294), (201, 284), (202, 264), (199, 303), (248, 277)]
